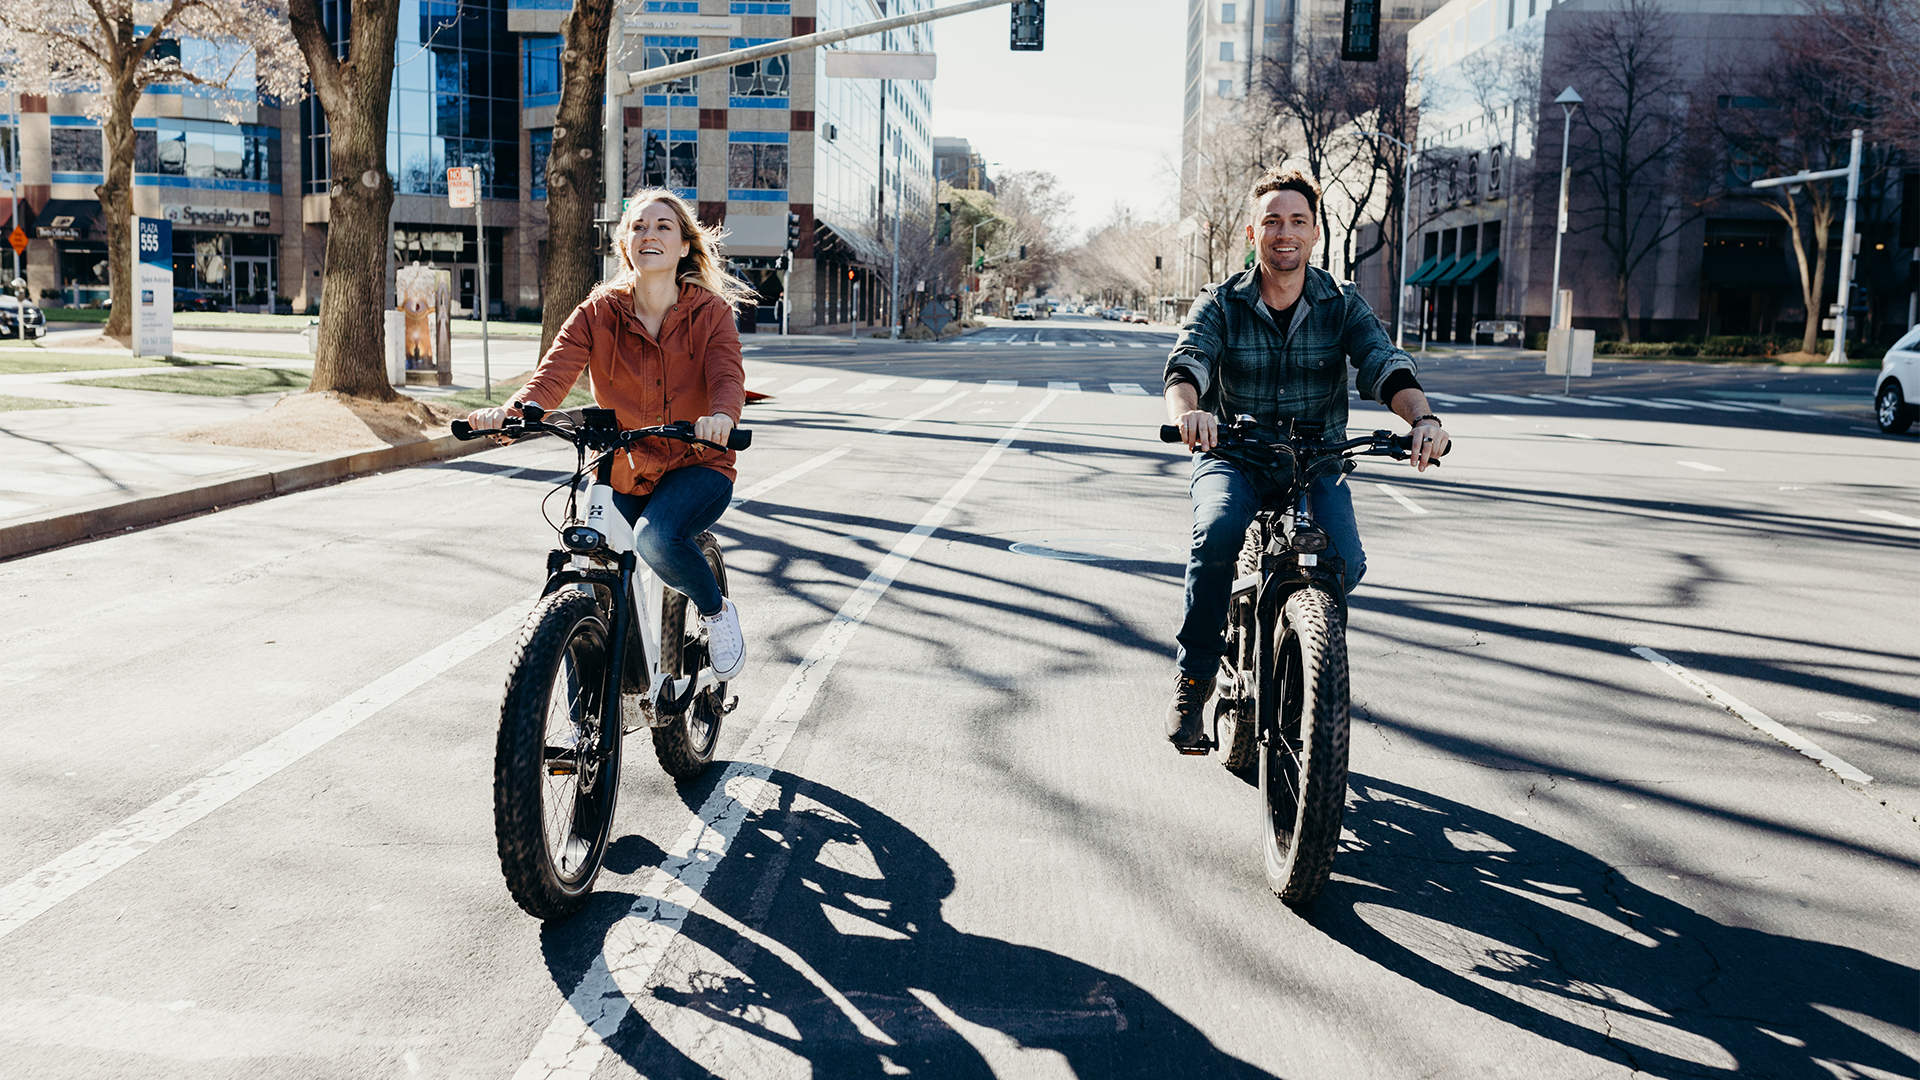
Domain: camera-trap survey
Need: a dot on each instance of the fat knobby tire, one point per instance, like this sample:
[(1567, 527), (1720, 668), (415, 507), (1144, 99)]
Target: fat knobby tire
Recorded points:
[(1298, 865), (520, 765), (681, 754)]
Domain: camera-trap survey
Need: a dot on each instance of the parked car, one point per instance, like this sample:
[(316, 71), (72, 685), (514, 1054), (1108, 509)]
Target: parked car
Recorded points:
[(195, 300), (14, 312), (1136, 317), (1023, 310), (1895, 391)]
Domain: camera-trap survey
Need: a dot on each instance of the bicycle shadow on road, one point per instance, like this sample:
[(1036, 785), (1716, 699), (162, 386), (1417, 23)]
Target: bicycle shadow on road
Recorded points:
[(819, 948), (1531, 931)]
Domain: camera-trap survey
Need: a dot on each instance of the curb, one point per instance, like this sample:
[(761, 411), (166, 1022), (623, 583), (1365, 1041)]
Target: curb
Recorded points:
[(70, 526)]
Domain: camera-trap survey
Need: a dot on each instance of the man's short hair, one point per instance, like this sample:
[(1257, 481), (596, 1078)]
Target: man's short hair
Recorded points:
[(1289, 180)]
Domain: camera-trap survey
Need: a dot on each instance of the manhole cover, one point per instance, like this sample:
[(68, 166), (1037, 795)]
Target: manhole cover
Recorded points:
[(1101, 548)]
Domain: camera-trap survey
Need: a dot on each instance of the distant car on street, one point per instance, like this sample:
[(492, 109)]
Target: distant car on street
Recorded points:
[(1023, 310), (1136, 317), (1894, 392), (195, 300), (16, 313)]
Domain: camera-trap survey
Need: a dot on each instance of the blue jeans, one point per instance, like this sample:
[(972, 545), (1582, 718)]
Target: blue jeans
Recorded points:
[(684, 503), (1224, 503)]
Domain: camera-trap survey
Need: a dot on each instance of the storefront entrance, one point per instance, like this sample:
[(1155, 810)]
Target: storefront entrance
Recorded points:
[(253, 282)]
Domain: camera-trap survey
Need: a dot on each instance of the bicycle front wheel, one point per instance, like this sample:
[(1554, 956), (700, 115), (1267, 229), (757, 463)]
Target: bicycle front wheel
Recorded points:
[(685, 746), (1303, 757), (556, 770)]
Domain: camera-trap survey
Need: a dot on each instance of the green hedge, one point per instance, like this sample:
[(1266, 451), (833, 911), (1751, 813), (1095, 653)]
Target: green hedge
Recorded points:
[(1719, 346)]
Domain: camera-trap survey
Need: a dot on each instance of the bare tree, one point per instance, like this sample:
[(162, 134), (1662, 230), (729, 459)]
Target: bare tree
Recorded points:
[(1365, 169), (1875, 45), (570, 267), (1635, 183), (1230, 155), (354, 82), (1116, 261), (113, 50), (1034, 239)]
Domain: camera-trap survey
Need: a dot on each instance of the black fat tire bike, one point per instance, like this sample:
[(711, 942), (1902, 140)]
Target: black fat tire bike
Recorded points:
[(1281, 699), (568, 703)]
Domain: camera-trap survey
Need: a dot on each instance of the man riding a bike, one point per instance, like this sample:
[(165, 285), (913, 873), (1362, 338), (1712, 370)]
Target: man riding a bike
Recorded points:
[(1272, 343)]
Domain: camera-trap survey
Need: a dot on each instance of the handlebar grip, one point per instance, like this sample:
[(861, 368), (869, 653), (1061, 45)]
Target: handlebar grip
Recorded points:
[(531, 411), (462, 430), (1169, 433), (739, 438)]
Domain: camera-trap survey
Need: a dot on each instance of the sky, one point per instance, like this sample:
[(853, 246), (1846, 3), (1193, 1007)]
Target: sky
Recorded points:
[(1099, 107)]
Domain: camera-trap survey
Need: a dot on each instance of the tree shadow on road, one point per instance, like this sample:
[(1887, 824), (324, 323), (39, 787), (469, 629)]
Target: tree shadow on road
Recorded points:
[(820, 948), (1534, 932)]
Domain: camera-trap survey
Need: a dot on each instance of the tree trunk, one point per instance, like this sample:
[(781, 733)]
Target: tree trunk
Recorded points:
[(1822, 226), (351, 357), (575, 173), (116, 194)]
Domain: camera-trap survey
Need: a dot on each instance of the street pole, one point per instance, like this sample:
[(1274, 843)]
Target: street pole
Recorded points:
[(484, 175), (618, 85), (1406, 236), (1847, 240), (13, 189), (1568, 101), (893, 300)]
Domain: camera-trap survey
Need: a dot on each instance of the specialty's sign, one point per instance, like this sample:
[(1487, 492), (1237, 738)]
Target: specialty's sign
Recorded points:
[(219, 217), (152, 287)]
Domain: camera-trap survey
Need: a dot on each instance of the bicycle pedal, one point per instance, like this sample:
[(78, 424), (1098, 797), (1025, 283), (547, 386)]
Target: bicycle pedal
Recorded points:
[(731, 704), (1199, 749)]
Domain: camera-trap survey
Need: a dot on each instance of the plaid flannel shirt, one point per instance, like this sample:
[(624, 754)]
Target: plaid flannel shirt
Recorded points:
[(1239, 360)]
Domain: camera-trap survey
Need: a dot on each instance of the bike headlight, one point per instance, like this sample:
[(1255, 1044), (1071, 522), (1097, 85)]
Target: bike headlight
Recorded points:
[(1309, 541), (582, 539)]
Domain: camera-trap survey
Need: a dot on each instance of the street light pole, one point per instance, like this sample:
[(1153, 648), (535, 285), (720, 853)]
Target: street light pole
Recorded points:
[(1406, 236), (893, 301), (1568, 101), (1847, 239)]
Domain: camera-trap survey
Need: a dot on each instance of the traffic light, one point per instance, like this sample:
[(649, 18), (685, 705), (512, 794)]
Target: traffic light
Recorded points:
[(849, 275), (943, 225), (1858, 307), (1156, 262), (793, 230), (1029, 32), (1023, 251), (1360, 30)]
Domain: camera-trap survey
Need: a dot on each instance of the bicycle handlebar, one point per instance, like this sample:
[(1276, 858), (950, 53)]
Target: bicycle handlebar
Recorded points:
[(1382, 442), (531, 423)]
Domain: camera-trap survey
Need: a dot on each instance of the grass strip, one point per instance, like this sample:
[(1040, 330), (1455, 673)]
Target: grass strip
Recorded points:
[(503, 390), (23, 404), (209, 382), (38, 361), (261, 354)]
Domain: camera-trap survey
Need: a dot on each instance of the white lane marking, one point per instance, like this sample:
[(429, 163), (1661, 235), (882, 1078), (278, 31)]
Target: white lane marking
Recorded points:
[(1411, 506), (1047, 344), (1888, 515), (1788, 409), (896, 425), (506, 474), (1589, 402), (1753, 716), (1717, 406), (1453, 399), (1510, 399), (574, 1041), (808, 386), (1000, 386), (1642, 402), (1137, 345), (1701, 465), (754, 491), (1127, 388), (934, 386), (1847, 717), (759, 381), (1078, 344), (1064, 387), (871, 386), (43, 887), (1000, 1052), (1108, 345)]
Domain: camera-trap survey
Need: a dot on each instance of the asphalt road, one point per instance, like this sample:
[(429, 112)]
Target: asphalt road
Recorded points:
[(960, 846)]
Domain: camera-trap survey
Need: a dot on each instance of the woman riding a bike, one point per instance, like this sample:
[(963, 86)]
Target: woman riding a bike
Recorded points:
[(659, 345)]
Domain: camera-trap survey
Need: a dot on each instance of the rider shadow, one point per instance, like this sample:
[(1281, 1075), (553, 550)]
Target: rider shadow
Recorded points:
[(1536, 933), (820, 949)]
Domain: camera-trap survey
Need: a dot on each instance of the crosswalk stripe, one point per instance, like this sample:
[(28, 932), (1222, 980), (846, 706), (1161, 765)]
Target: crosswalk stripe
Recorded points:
[(1643, 403), (1789, 410), (1000, 386), (809, 386), (934, 386), (1064, 387), (1577, 401), (1453, 399), (872, 386), (1108, 345), (1078, 344), (1714, 405), (759, 381), (1137, 345), (1048, 344), (1511, 399), (1127, 388)]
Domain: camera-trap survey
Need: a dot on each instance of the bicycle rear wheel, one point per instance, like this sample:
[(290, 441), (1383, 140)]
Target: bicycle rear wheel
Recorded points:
[(1303, 757), (685, 746), (556, 769)]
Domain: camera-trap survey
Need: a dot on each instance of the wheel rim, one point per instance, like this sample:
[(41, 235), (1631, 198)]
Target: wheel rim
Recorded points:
[(1889, 408), (1280, 759), (571, 765)]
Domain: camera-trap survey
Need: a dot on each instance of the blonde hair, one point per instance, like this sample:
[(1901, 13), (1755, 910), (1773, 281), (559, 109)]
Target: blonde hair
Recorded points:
[(701, 265)]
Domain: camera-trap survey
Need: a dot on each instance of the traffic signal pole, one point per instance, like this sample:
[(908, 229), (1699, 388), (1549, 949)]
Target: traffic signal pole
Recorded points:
[(1847, 239)]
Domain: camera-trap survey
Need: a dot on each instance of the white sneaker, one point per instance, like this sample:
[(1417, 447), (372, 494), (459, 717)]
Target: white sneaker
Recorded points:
[(725, 646)]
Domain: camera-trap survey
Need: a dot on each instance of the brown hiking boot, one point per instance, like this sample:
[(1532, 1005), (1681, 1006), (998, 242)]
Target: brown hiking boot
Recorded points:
[(1186, 717)]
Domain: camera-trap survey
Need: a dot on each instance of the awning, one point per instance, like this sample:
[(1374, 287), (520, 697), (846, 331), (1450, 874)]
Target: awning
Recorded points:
[(849, 246), (1468, 269), (65, 219), (1425, 273)]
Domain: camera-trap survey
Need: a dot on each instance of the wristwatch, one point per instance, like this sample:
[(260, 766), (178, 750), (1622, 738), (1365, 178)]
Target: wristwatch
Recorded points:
[(1424, 417)]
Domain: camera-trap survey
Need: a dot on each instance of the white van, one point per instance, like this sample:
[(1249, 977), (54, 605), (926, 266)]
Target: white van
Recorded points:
[(1896, 392)]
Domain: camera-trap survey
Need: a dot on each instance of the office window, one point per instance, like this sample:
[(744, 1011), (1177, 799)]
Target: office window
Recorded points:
[(761, 78), (661, 51), (756, 166), (1226, 51), (77, 149), (539, 149), (1227, 13), (671, 159), (1226, 87), (208, 150), (540, 60)]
